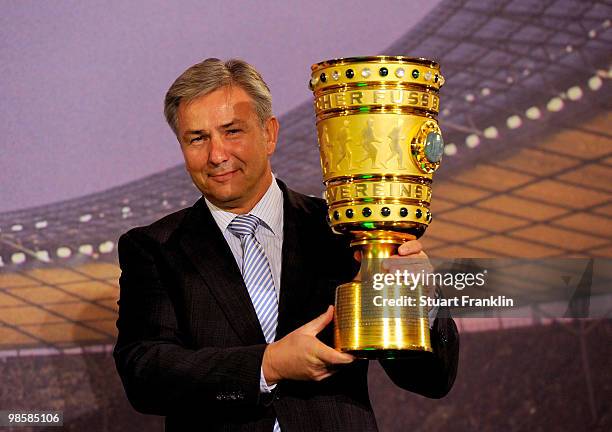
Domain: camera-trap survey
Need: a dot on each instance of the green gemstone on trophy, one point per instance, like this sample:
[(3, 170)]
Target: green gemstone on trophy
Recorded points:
[(434, 147)]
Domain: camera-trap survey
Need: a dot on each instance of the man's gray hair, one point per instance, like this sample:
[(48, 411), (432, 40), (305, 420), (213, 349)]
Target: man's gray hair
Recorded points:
[(212, 74)]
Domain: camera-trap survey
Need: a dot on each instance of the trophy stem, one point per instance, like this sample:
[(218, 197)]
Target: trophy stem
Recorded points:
[(376, 322)]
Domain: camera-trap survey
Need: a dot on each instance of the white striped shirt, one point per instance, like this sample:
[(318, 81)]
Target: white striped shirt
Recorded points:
[(269, 233)]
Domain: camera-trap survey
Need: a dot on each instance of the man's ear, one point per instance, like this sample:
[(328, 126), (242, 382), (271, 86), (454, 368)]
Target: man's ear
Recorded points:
[(271, 128)]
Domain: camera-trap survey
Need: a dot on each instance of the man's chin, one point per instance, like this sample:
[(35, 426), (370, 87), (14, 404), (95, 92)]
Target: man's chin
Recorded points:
[(223, 196)]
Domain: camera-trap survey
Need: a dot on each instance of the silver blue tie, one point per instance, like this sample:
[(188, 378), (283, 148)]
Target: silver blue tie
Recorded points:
[(257, 274), (257, 277)]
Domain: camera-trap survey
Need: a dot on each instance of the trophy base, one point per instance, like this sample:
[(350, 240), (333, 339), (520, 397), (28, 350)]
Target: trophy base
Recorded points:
[(376, 354), (386, 354), (368, 330)]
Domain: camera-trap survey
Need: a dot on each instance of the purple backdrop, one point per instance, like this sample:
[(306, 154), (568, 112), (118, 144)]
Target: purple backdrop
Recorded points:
[(82, 83)]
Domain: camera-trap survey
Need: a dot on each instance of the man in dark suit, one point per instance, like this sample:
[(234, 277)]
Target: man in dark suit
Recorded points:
[(224, 306)]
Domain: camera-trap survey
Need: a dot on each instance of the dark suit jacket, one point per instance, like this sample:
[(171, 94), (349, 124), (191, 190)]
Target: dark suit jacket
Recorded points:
[(190, 346)]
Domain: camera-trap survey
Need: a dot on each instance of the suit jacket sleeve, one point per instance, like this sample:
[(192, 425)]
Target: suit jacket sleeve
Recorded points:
[(161, 373), (430, 374)]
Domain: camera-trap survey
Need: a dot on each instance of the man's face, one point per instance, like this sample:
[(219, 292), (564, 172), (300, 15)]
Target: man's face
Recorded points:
[(226, 149)]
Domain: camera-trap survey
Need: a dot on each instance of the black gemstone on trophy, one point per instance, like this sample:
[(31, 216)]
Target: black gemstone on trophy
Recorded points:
[(310, 85), (350, 73), (349, 213), (428, 216), (336, 215), (323, 78), (403, 212), (385, 211), (383, 71), (436, 78), (418, 213), (366, 212), (415, 73)]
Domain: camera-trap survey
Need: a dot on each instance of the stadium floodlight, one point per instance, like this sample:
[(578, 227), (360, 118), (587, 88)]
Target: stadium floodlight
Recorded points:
[(514, 122), (63, 252), (574, 93), (595, 82), (450, 149), (555, 104), (106, 247), (533, 113), (41, 224), (43, 255), (491, 132), (86, 249), (472, 140), (18, 258)]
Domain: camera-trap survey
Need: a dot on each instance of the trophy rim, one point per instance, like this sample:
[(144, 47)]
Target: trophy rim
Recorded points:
[(376, 59)]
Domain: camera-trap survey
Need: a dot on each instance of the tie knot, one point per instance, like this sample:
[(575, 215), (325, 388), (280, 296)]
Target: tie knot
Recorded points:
[(243, 225)]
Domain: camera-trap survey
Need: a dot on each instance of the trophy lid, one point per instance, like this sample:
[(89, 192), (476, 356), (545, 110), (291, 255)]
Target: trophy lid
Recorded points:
[(376, 59), (376, 70)]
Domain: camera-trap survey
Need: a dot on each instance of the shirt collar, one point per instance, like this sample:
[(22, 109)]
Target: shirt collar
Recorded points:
[(269, 209)]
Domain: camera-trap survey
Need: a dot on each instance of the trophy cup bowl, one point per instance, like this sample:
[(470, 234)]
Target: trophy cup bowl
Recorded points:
[(380, 143)]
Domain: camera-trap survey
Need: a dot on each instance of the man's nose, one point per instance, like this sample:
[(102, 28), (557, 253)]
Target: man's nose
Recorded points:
[(218, 153)]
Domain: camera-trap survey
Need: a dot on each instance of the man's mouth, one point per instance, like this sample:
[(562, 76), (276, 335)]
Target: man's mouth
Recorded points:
[(224, 176)]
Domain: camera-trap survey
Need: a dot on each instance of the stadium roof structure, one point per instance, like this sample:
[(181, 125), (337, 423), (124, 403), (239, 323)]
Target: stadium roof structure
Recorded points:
[(527, 168)]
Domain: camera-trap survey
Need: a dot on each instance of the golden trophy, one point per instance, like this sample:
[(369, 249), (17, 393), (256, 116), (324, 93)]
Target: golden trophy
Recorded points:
[(380, 144)]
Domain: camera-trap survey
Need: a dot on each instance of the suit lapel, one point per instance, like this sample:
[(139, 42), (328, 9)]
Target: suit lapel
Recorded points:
[(207, 249), (293, 274)]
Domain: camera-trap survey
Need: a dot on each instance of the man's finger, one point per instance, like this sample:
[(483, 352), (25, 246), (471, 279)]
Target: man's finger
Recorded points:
[(325, 375), (412, 263), (319, 323), (330, 356), (418, 256), (357, 255), (410, 247)]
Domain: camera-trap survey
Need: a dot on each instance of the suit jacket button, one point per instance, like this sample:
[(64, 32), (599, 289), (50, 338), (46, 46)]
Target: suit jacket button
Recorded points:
[(266, 398), (443, 335)]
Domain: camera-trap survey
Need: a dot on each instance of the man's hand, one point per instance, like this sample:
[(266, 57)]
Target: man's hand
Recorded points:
[(410, 249), (301, 356), (410, 257)]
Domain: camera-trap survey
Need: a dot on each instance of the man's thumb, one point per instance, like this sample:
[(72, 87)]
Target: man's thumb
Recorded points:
[(319, 323)]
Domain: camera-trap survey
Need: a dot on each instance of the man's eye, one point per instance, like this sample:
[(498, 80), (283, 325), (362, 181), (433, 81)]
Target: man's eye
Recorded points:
[(196, 139), (234, 131)]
